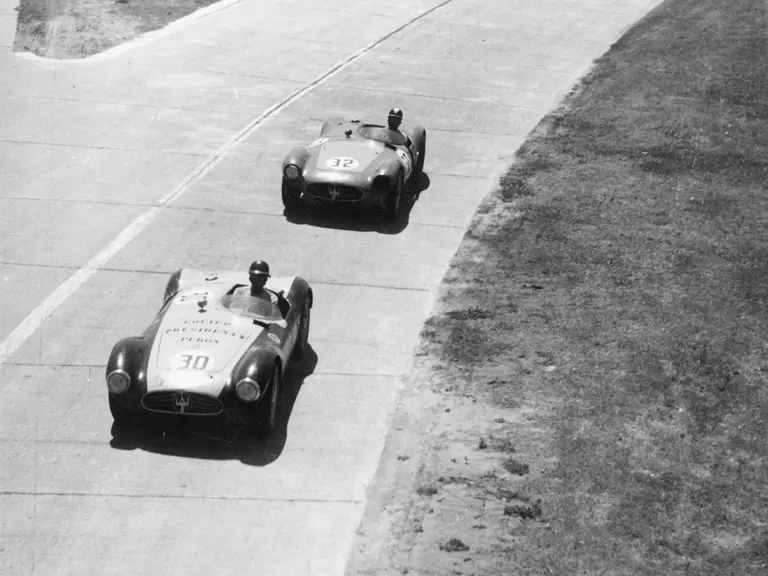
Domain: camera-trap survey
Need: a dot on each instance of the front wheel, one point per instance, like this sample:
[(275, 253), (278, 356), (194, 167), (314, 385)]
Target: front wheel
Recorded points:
[(267, 409), (122, 415), (291, 197), (392, 203)]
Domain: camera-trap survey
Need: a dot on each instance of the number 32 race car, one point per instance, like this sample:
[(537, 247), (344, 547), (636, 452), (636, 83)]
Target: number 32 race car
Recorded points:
[(355, 163), (209, 352)]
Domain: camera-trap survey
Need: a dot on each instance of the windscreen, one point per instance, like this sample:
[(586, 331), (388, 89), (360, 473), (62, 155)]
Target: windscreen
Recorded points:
[(382, 134), (251, 307)]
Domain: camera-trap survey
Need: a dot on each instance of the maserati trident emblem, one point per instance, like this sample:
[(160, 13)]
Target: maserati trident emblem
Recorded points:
[(334, 193), (181, 401)]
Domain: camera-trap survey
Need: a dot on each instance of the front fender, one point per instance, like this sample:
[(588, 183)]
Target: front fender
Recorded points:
[(385, 175), (259, 362), (331, 125), (389, 166), (173, 285), (297, 156), (130, 355)]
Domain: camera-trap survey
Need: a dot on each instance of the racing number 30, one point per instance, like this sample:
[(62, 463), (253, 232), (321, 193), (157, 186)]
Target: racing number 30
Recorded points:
[(193, 362)]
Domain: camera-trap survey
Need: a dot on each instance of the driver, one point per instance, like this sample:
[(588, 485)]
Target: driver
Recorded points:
[(394, 119), (258, 274)]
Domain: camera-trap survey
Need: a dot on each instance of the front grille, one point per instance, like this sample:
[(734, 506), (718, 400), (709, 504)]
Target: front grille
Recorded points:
[(336, 192), (182, 403)]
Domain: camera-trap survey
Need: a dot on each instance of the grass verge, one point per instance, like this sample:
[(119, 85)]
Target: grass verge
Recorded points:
[(599, 352), (79, 28)]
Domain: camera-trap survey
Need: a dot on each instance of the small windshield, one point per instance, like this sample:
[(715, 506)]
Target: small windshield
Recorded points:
[(382, 134), (251, 307)]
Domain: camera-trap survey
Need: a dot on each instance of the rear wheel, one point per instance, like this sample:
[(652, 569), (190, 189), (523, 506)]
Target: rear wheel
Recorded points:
[(267, 409), (422, 152), (392, 203), (291, 197)]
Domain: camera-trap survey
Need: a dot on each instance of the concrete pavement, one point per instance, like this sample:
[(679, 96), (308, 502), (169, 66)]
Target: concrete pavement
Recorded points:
[(90, 148), (7, 24)]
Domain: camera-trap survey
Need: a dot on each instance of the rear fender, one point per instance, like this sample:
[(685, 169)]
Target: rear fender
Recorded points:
[(417, 134), (298, 293)]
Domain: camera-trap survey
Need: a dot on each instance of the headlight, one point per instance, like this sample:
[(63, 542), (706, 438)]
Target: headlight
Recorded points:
[(292, 172), (382, 182), (247, 390), (118, 381)]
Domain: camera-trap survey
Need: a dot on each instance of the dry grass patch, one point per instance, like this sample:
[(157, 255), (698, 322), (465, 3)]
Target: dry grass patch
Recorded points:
[(79, 28), (603, 327)]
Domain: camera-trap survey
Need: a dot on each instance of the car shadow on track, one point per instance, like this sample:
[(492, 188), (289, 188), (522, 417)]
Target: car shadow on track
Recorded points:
[(221, 439), (358, 220)]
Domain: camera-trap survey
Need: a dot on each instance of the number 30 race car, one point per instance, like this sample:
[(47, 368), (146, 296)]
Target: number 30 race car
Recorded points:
[(355, 163), (210, 352)]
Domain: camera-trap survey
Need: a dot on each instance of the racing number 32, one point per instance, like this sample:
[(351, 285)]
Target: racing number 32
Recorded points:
[(341, 162), (190, 362)]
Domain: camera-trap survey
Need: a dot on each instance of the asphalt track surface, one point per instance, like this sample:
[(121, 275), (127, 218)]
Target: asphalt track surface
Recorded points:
[(117, 170)]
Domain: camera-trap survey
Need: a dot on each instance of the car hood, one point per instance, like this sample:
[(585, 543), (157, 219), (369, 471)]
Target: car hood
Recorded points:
[(197, 351), (345, 160)]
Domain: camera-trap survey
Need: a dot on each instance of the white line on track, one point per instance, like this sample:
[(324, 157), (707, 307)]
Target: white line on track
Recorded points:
[(32, 322)]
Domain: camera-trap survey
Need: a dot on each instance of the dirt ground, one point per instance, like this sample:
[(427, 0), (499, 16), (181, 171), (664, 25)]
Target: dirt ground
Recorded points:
[(78, 28), (590, 393)]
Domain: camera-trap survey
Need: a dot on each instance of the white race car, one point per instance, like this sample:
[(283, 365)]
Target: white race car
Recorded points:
[(208, 351)]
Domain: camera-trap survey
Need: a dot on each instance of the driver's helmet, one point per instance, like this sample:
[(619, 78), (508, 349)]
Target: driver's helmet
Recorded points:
[(395, 117), (259, 267)]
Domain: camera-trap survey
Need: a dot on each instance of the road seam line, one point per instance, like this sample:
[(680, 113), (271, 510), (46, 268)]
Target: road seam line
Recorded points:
[(444, 98), (33, 321), (182, 497), (101, 366), (164, 272), (108, 148), (207, 210)]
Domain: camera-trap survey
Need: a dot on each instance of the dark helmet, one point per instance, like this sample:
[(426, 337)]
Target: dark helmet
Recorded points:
[(259, 267), (395, 116)]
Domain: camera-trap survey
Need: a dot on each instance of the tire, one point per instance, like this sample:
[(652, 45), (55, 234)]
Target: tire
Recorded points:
[(267, 409), (122, 415), (300, 349), (412, 185), (291, 198), (393, 202), (422, 152)]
